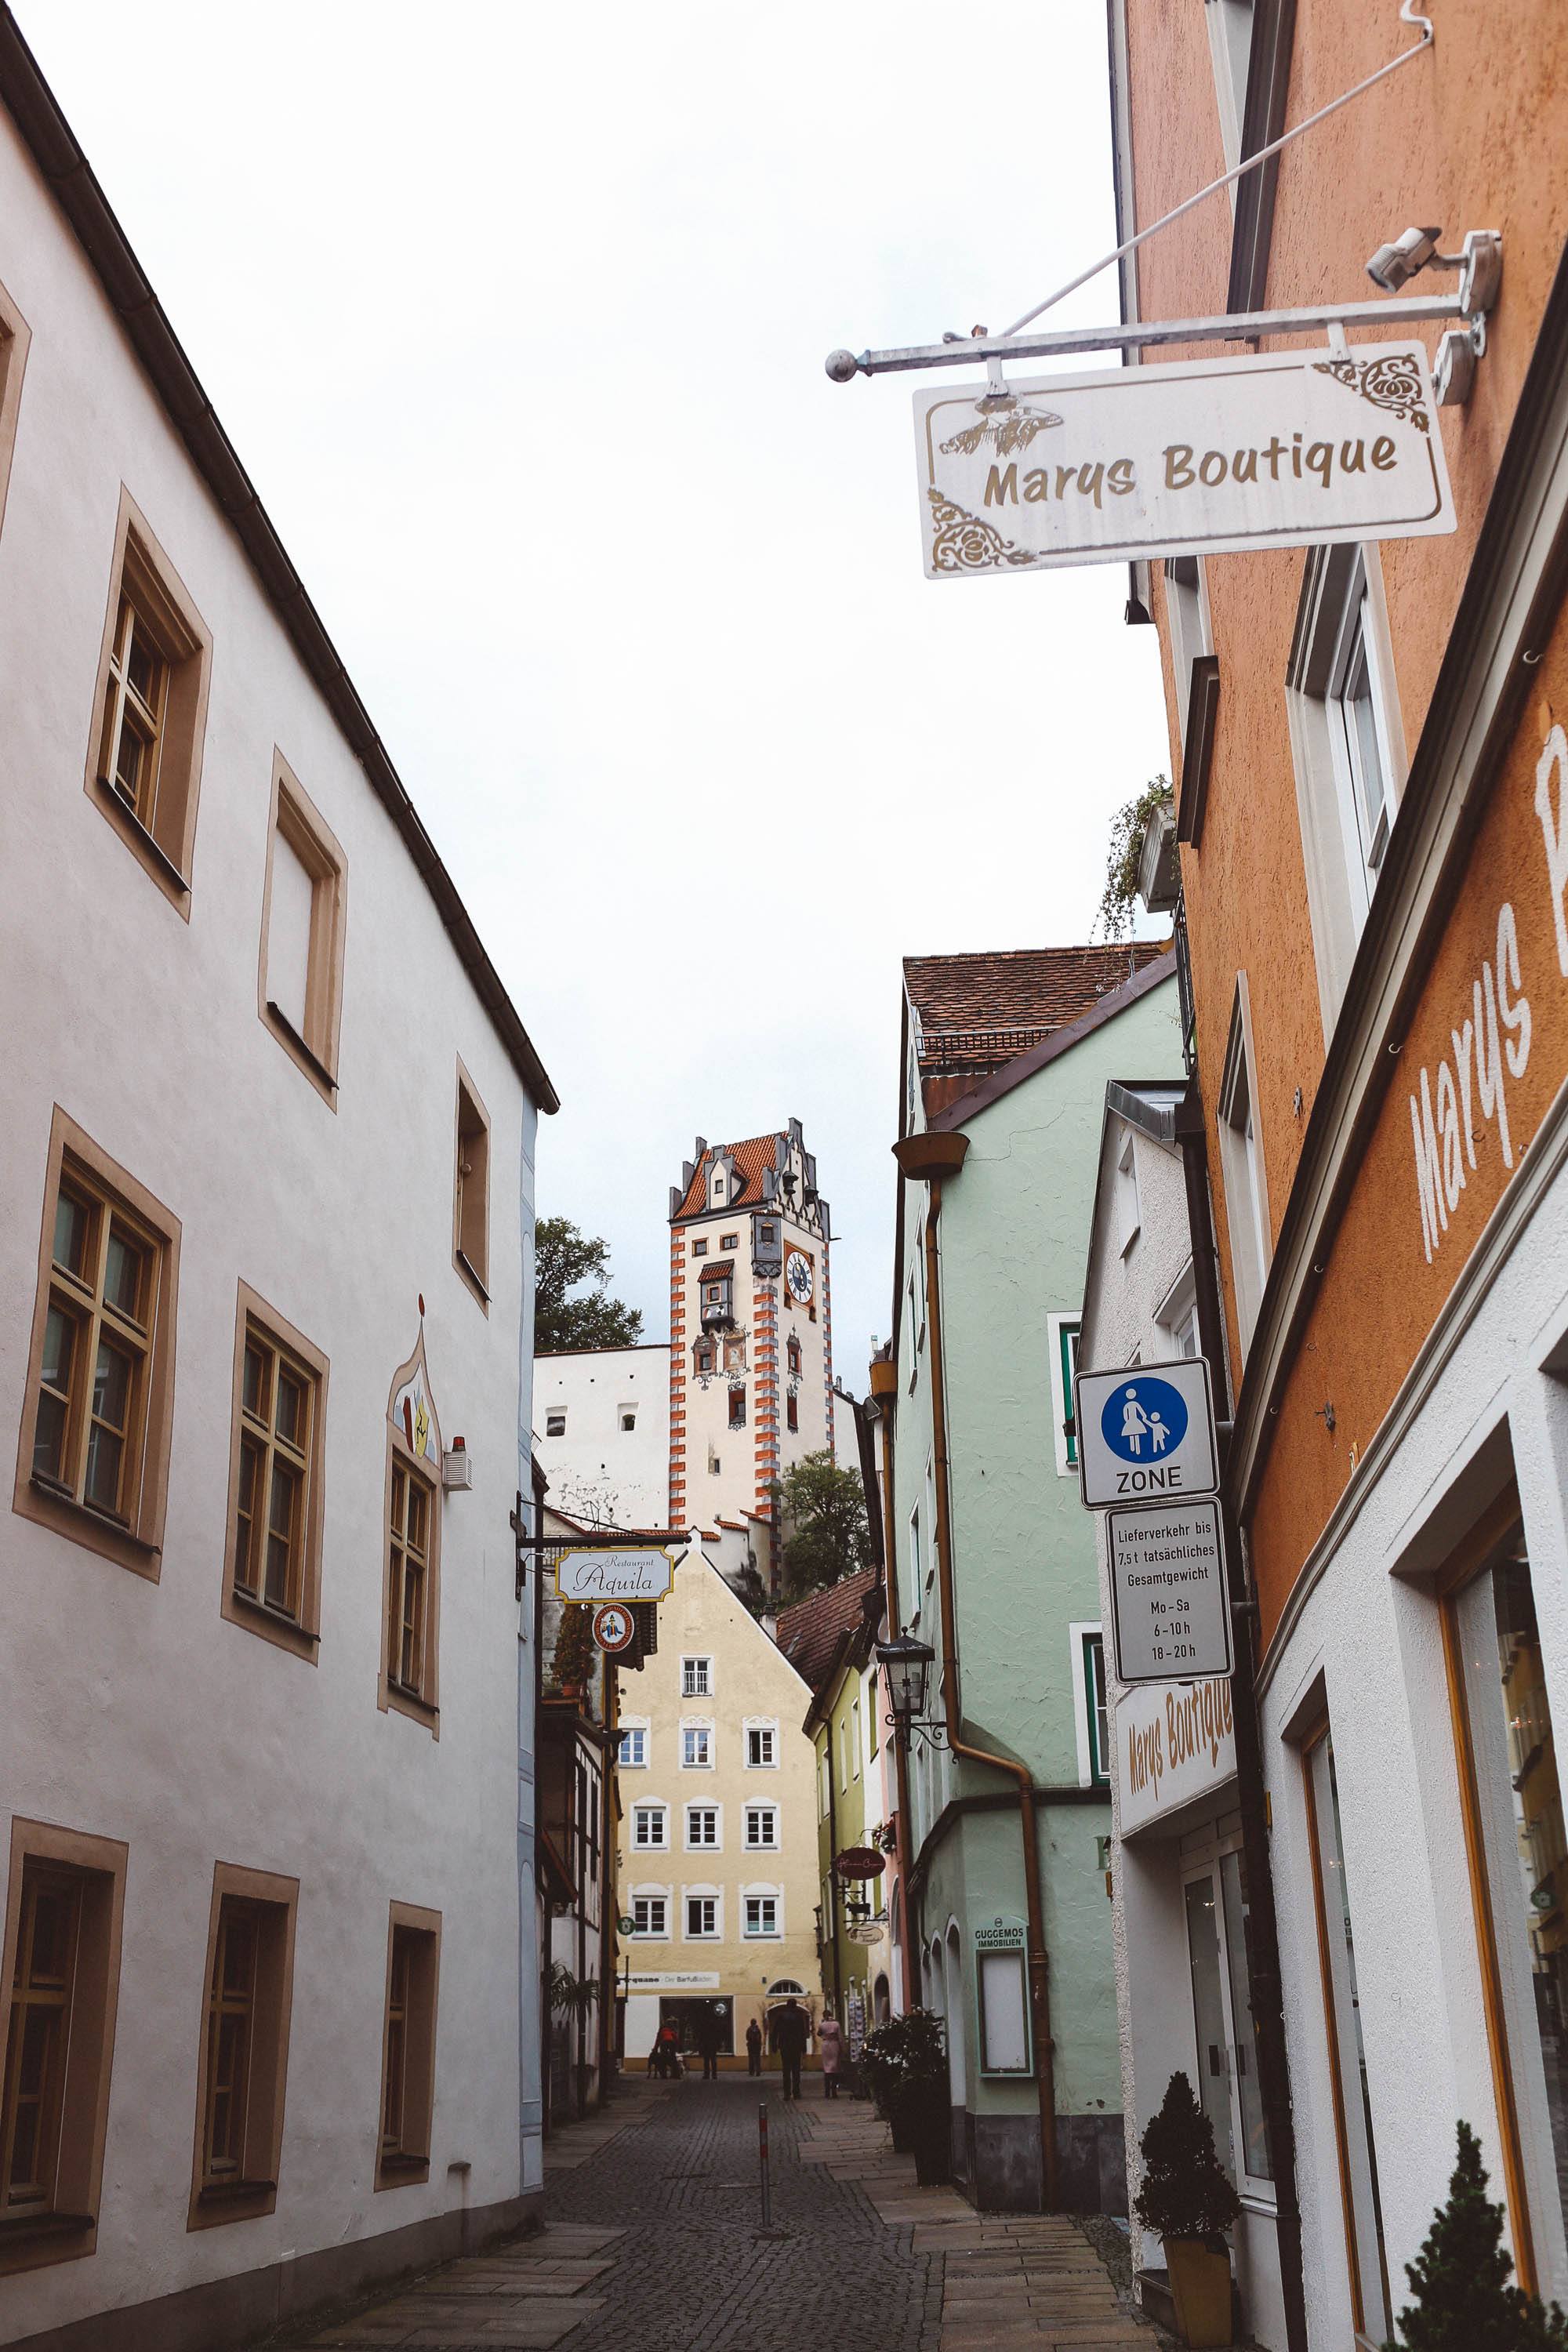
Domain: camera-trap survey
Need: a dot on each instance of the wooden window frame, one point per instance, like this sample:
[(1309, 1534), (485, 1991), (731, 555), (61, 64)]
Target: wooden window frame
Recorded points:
[(299, 1635), (252, 2192), (470, 1231), (422, 1705), (68, 2227), (314, 1049), (791, 1413), (418, 1932), (134, 1538), (15, 337), (142, 573)]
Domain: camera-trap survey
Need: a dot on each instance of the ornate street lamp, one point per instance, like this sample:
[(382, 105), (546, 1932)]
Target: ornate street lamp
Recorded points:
[(908, 1664)]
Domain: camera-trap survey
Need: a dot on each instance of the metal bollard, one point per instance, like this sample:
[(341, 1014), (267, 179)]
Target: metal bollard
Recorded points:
[(762, 2151)]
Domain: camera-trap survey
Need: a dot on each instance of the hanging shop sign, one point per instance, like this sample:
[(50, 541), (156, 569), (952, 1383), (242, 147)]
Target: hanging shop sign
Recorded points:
[(615, 1628), (859, 1861), (1146, 1432), (1200, 457), (1170, 1608), (865, 1931), (640, 1572)]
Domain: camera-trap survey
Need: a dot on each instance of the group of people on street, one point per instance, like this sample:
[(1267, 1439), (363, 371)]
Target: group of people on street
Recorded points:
[(789, 2031)]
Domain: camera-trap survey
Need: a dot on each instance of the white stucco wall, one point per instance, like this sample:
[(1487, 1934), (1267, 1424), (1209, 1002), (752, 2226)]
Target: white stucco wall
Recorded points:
[(133, 1710), (598, 1471)]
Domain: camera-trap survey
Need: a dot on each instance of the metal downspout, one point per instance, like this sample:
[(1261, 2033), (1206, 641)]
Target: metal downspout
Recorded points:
[(886, 1394), (1038, 1958), (1263, 1937)]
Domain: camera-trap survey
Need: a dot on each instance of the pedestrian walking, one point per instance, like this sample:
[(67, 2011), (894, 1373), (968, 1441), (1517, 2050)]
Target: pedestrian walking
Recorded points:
[(709, 2033), (667, 2049), (831, 2036), (753, 2048), (788, 2026)]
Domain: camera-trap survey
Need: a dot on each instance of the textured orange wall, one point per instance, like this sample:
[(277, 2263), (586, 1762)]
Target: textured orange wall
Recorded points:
[(1381, 1293), (1466, 135)]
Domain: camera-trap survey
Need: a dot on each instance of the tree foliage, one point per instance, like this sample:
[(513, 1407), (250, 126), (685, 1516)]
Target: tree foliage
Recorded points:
[(1460, 2277), (823, 1511), (565, 1259), (1185, 2193)]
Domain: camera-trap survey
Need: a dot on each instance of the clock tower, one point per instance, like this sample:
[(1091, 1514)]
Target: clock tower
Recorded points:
[(750, 1334)]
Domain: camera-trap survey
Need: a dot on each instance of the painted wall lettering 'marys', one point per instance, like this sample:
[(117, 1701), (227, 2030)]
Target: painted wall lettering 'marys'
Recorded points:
[(1277, 449)]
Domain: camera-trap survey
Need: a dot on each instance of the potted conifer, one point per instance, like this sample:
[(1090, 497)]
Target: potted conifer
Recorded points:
[(905, 2063), (1460, 2278), (1187, 2201)]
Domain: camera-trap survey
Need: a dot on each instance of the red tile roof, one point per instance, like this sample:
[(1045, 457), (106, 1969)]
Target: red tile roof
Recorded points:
[(759, 1151), (977, 1011), (808, 1634)]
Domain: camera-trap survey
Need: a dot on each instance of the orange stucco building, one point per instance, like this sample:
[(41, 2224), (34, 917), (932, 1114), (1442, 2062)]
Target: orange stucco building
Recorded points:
[(1372, 812)]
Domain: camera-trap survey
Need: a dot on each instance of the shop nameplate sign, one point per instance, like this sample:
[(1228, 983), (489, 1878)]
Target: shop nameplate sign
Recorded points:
[(640, 1572), (1175, 1742), (1001, 1935), (673, 1980), (1169, 1607), (1200, 457), (865, 1931), (1145, 1433)]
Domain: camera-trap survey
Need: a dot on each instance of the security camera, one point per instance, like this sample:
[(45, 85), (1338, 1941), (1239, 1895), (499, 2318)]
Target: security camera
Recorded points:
[(1393, 265)]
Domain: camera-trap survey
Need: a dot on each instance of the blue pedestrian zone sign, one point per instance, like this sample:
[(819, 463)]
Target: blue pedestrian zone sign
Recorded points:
[(1145, 1433), (1145, 1421)]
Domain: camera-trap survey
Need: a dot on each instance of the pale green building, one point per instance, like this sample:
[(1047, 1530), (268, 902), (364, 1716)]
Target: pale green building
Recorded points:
[(1006, 1058)]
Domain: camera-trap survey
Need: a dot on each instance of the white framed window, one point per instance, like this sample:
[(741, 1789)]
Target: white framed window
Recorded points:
[(697, 1746), (1091, 1705), (1347, 745), (763, 1915), (703, 1829), (1230, 50), (1061, 1339), (556, 1421), (650, 1828), (631, 1753), (855, 1738), (650, 1916), (1177, 1314), (761, 1746), (696, 1677), (917, 1555), (704, 1916), (1128, 1213), (761, 1829), (1187, 617), (825, 1778), (1241, 1162)]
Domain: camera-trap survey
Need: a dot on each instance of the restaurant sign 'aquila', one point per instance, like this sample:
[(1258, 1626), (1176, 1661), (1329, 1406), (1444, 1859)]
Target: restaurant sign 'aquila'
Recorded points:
[(1205, 456)]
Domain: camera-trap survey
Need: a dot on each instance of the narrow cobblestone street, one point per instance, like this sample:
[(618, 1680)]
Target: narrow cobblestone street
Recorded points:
[(653, 2242)]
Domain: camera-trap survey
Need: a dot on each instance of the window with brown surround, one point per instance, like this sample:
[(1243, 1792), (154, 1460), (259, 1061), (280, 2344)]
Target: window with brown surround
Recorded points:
[(273, 1571), (471, 1191), (61, 1975), (144, 761), (244, 2062), (411, 1609), (299, 985), (408, 2046), (15, 337), (93, 1456)]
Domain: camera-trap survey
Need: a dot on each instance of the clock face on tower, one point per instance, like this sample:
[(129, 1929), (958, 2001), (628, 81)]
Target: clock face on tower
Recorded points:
[(798, 1275)]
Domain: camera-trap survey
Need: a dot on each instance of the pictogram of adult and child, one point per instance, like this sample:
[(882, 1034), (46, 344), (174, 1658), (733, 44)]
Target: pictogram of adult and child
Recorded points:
[(1143, 1420)]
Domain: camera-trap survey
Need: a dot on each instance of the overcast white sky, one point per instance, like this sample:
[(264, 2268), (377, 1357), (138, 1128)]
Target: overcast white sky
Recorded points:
[(517, 316)]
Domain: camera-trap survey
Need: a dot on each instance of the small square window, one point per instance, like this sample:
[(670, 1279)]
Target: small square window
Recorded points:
[(699, 1248), (729, 1241), (761, 1915), (555, 1422), (696, 1677), (650, 1916), (761, 1827), (632, 1755), (696, 1748), (648, 1827), (629, 1417), (702, 1826), (760, 1747), (702, 1916)]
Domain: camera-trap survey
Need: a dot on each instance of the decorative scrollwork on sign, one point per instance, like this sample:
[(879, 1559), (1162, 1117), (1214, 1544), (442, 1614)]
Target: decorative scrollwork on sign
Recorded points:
[(1390, 383), (1011, 430), (964, 543)]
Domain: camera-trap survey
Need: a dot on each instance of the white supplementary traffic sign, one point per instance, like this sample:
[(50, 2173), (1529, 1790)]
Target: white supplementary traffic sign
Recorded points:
[(1168, 1606), (614, 1627), (640, 1573), (1201, 457), (1145, 1433)]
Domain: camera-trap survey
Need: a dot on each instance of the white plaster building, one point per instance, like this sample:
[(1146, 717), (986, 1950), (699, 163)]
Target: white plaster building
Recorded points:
[(1179, 1886), (265, 1335), (750, 1334), (602, 1433)]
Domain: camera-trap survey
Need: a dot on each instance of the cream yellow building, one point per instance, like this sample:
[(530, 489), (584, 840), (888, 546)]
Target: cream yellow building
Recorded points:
[(716, 1863)]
